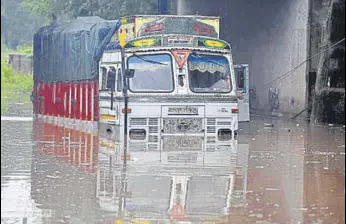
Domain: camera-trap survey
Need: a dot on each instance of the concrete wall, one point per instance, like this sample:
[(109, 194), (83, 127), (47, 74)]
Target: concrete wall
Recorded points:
[(270, 35), (327, 70)]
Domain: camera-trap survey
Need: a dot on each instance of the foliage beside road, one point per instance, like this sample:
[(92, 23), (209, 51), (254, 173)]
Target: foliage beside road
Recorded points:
[(12, 83)]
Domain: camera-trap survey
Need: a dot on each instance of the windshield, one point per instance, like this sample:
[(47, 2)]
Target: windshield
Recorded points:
[(209, 73), (153, 73)]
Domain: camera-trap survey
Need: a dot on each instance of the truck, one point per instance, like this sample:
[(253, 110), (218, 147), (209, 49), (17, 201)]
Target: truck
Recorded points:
[(160, 83)]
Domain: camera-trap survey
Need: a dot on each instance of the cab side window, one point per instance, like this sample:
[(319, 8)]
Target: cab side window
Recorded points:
[(111, 75), (240, 78)]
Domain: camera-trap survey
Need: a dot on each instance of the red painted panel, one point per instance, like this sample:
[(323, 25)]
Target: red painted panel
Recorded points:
[(48, 90), (39, 97), (77, 102), (69, 99), (43, 99), (54, 104), (90, 96), (84, 100), (63, 99), (55, 101), (43, 94), (58, 100), (73, 99), (96, 101), (66, 98)]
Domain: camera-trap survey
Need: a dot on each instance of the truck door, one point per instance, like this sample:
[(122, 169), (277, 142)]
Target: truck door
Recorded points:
[(242, 78)]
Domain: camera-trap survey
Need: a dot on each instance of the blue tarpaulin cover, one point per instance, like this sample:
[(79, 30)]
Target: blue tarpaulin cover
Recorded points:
[(71, 51)]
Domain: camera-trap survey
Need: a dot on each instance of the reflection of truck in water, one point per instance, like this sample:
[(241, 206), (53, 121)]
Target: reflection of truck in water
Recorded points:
[(207, 191), (179, 75), (151, 191)]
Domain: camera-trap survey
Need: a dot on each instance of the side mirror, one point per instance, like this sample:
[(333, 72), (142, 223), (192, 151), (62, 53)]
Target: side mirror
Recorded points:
[(130, 73)]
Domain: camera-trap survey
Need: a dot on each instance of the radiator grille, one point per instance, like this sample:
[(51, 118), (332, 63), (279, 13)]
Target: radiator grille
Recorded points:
[(211, 121), (153, 121), (138, 121), (211, 129), (153, 138), (153, 129), (228, 123)]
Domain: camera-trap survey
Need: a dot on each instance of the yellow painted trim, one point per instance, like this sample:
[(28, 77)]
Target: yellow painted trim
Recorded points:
[(107, 117), (214, 43), (144, 42)]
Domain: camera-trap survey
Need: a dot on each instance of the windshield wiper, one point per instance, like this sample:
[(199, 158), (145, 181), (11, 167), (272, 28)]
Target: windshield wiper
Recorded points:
[(148, 60), (207, 60)]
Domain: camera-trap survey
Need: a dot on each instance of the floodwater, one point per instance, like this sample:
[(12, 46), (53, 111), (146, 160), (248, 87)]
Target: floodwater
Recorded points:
[(280, 173)]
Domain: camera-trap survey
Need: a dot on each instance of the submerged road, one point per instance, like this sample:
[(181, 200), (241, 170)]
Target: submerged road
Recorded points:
[(281, 172)]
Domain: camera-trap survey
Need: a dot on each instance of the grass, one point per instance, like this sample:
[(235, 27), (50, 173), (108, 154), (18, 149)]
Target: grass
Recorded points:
[(14, 86)]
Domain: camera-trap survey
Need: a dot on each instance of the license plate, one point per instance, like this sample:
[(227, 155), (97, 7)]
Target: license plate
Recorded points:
[(183, 143)]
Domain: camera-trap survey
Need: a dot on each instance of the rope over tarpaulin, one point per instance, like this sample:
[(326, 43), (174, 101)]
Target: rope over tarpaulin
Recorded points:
[(70, 51)]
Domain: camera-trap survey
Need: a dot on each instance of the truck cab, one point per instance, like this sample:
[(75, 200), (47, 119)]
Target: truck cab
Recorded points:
[(183, 93)]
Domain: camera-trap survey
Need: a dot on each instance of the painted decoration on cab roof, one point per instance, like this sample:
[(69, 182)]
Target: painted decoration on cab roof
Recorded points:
[(177, 25)]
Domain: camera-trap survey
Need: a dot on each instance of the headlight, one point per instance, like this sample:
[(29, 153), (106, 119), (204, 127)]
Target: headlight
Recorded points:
[(137, 134), (224, 134)]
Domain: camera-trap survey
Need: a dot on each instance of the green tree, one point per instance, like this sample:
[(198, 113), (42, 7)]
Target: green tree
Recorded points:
[(107, 9), (17, 24)]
